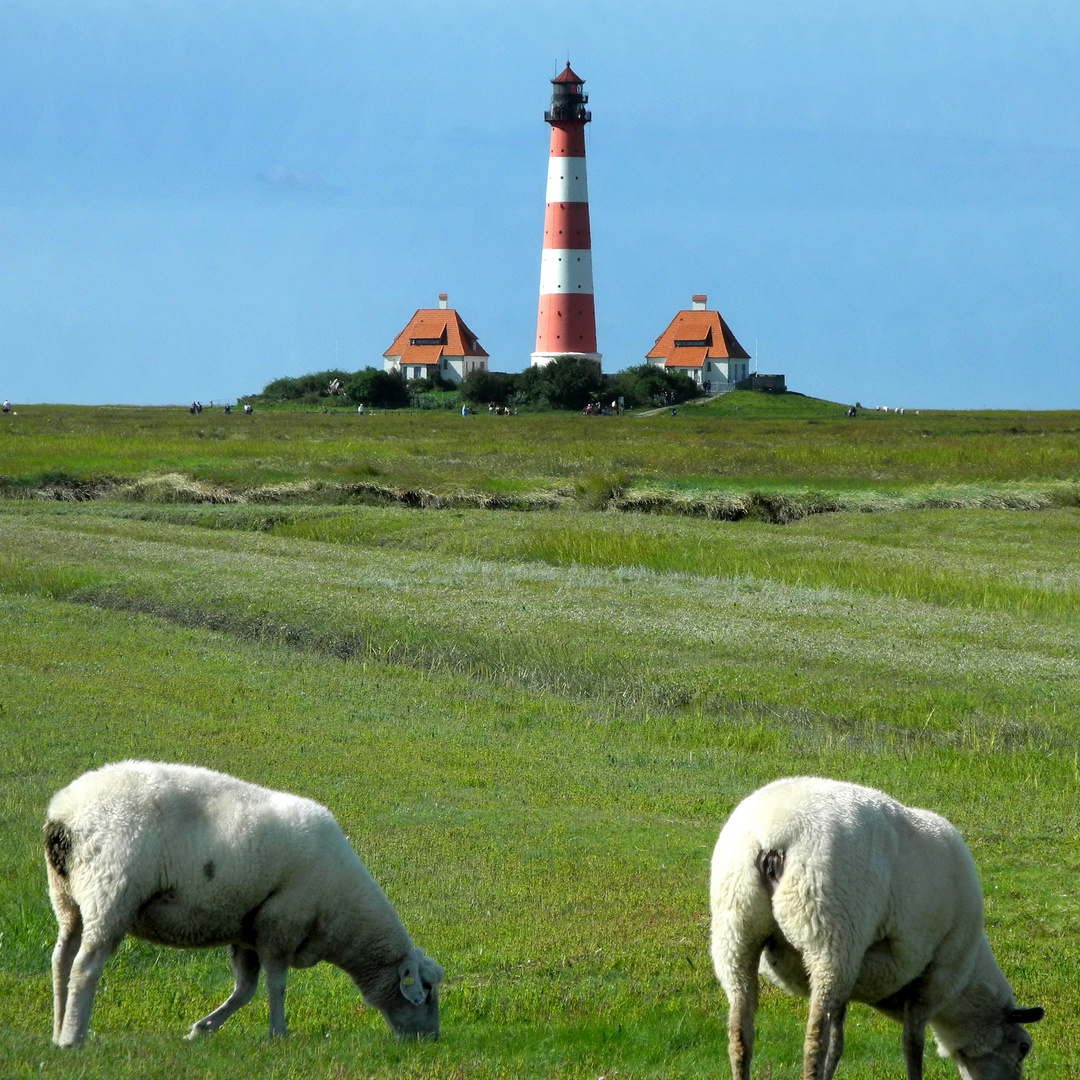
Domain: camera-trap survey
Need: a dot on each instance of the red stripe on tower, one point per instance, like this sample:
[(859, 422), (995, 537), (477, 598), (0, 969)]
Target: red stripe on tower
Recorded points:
[(566, 318)]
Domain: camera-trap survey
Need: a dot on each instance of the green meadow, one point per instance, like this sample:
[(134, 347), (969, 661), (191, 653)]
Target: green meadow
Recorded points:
[(531, 664)]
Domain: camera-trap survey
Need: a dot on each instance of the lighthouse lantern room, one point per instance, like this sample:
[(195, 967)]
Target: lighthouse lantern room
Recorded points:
[(566, 318)]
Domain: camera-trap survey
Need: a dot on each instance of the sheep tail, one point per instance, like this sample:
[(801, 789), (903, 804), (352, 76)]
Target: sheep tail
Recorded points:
[(770, 865), (58, 846)]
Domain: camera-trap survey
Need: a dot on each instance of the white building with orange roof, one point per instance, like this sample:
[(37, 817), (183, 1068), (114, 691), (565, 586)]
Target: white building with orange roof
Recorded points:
[(436, 341), (701, 345)]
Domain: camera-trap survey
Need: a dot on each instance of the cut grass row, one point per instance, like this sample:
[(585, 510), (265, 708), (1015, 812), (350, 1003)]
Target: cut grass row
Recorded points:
[(631, 635), (1023, 564)]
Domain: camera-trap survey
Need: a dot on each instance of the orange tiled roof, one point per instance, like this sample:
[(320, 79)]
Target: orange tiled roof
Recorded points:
[(441, 329), (706, 330), (687, 357), (421, 354)]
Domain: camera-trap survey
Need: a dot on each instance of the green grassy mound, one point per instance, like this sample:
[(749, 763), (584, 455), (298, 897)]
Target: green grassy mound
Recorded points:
[(770, 405)]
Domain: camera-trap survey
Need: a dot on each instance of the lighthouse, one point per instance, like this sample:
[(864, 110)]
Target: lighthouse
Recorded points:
[(566, 319)]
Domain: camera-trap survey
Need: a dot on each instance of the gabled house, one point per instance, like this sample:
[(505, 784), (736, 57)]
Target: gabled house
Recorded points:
[(700, 344), (436, 341)]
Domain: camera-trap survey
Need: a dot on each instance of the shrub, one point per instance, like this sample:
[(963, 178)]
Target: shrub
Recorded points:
[(569, 382), (313, 386), (488, 387), (379, 389), (432, 382), (649, 385)]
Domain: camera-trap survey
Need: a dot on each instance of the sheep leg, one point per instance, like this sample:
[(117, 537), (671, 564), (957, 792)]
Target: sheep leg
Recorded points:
[(742, 1005), (67, 948), (737, 954), (245, 966), (824, 1038), (82, 984), (277, 971), (836, 1040), (68, 940), (913, 1042)]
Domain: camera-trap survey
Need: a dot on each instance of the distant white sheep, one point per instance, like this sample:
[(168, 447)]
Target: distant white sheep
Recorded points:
[(184, 856), (839, 893)]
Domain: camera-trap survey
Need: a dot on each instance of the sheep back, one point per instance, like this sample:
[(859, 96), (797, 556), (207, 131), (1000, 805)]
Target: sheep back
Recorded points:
[(866, 883), (199, 852), (839, 892), (188, 857)]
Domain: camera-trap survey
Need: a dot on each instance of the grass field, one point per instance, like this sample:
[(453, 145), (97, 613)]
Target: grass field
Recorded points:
[(532, 723), (786, 443)]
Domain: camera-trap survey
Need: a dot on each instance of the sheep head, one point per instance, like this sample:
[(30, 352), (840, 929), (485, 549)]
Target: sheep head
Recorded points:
[(1003, 1061), (411, 1004)]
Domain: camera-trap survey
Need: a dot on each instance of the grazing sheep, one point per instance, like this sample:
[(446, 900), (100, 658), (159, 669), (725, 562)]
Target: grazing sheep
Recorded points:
[(184, 856), (839, 893)]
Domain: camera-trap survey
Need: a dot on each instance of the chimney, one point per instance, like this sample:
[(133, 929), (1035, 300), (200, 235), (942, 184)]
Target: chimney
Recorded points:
[(442, 299), (698, 301)]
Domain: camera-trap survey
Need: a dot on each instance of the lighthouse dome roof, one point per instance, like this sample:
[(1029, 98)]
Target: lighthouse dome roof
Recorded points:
[(567, 76)]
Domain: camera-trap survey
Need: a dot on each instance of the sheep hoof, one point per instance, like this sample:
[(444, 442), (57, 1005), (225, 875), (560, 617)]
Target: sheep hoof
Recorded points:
[(199, 1030)]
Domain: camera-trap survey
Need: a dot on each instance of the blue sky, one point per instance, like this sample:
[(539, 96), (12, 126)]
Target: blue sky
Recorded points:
[(882, 197)]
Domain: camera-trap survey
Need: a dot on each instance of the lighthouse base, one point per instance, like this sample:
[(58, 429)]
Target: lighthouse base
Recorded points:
[(540, 359)]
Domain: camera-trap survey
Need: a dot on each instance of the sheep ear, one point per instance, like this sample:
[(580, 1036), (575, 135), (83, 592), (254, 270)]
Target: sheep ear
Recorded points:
[(432, 972), (1028, 1015), (411, 985)]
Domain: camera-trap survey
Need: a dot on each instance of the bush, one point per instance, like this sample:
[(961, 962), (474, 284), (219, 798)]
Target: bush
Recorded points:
[(571, 382), (379, 389), (567, 383), (483, 387), (432, 382), (649, 385), (312, 387)]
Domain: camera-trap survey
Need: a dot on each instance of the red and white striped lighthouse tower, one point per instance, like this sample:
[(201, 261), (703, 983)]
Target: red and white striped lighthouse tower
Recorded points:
[(566, 320)]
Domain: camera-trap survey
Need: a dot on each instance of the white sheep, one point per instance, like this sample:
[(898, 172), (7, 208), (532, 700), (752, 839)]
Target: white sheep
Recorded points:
[(183, 856), (839, 893)]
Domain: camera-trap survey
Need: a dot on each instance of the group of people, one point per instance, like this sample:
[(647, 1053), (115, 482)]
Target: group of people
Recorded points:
[(597, 408), (196, 407)]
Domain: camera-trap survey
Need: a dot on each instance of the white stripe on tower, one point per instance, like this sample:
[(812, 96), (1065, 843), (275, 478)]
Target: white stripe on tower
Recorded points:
[(566, 180), (566, 318), (566, 270)]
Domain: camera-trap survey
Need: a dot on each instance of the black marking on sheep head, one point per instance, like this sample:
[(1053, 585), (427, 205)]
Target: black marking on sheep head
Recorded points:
[(413, 1009), (770, 866), (1030, 1014), (208, 870)]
